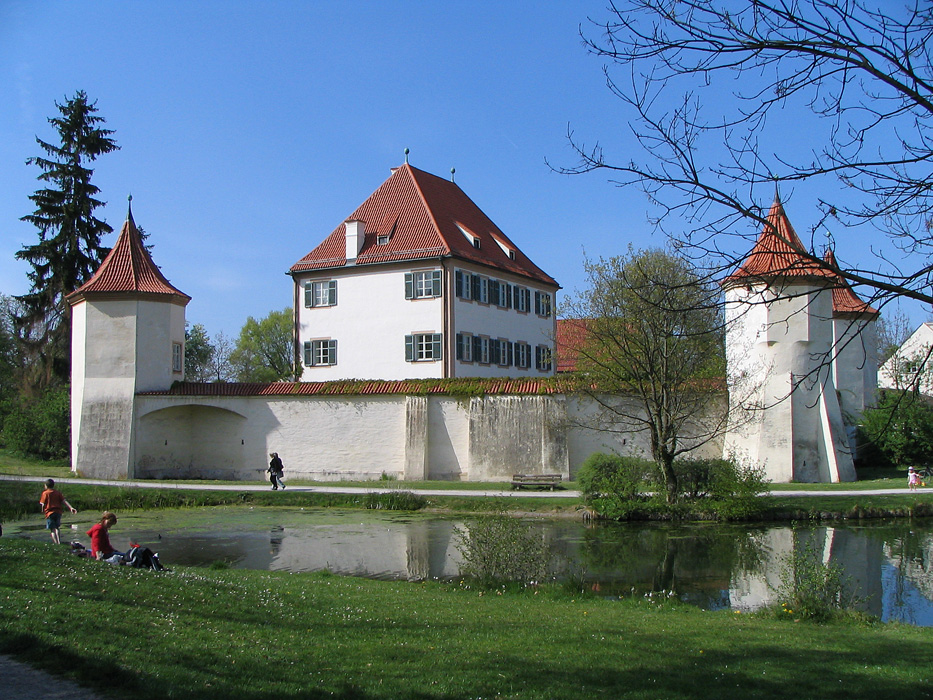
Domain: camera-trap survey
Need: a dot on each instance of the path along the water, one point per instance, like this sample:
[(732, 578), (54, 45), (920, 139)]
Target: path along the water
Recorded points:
[(400, 485)]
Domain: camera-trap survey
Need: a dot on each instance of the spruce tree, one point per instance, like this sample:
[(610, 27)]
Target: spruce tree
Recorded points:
[(69, 248)]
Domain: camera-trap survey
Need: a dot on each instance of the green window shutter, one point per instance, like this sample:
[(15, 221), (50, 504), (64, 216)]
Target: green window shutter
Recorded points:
[(332, 292), (308, 354), (409, 285), (409, 348), (436, 346), (333, 352), (459, 345), (458, 283), (309, 294), (436, 282)]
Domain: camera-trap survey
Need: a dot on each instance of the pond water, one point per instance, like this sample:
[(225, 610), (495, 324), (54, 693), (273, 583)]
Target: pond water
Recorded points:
[(887, 566)]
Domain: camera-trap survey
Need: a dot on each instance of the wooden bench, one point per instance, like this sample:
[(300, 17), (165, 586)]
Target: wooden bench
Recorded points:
[(541, 481)]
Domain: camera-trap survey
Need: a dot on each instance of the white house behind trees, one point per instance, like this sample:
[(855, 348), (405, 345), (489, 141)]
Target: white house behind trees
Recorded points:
[(909, 368)]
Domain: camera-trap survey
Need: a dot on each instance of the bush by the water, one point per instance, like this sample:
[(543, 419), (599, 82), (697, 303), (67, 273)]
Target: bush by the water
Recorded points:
[(394, 500), (498, 549), (625, 487), (811, 589)]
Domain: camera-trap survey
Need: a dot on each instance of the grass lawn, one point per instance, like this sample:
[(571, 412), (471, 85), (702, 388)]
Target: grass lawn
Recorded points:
[(204, 633)]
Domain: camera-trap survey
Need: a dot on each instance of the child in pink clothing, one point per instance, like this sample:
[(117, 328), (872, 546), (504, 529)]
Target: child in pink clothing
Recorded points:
[(913, 479)]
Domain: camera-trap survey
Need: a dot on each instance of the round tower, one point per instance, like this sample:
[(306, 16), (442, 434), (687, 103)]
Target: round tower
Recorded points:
[(128, 336), (784, 412)]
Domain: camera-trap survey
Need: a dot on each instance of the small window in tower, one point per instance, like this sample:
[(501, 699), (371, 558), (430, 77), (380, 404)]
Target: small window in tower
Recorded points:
[(178, 362)]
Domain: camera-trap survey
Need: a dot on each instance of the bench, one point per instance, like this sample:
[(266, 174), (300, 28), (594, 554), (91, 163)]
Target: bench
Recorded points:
[(541, 481)]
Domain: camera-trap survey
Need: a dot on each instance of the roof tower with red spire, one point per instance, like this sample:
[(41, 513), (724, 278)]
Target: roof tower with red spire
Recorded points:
[(845, 300), (778, 252), (128, 269)]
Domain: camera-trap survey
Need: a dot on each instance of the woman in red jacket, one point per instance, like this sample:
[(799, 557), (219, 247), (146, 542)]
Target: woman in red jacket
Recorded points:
[(100, 540)]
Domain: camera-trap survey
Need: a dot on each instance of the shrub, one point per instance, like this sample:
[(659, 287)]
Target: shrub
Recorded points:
[(394, 500), (811, 589), (498, 549), (604, 475), (41, 426)]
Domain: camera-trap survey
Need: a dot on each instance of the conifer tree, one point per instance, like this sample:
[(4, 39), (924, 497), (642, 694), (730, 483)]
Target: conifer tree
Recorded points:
[(69, 248)]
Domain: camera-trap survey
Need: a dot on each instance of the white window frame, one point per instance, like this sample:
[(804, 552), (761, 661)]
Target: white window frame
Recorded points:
[(522, 355), (424, 347), (543, 304), (320, 353), (320, 293), (543, 358), (423, 284), (465, 347)]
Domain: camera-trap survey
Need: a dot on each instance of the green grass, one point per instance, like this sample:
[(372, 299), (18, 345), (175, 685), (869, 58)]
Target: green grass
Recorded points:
[(206, 633), (18, 465)]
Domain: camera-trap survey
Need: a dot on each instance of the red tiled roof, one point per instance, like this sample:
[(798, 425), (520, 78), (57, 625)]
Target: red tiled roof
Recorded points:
[(571, 334), (845, 300), (778, 252), (128, 268), (454, 387), (422, 215)]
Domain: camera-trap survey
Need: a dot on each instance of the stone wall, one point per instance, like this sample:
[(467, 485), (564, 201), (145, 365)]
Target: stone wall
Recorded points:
[(350, 437)]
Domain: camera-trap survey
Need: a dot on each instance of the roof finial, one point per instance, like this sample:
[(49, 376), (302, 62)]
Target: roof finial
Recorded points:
[(129, 207), (777, 191), (406, 156), (452, 173)]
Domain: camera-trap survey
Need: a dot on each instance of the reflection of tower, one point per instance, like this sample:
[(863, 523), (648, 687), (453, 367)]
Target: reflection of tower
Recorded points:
[(784, 411), (127, 336), (858, 557)]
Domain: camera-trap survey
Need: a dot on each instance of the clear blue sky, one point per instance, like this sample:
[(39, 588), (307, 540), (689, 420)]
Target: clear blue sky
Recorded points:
[(250, 130)]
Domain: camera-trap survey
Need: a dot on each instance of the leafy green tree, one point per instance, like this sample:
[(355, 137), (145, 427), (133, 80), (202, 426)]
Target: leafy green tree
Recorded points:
[(653, 354), (11, 362), (264, 351), (69, 248), (899, 431), (198, 354)]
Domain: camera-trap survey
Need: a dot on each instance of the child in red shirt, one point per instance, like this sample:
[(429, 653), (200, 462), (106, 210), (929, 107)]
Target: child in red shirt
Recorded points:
[(52, 502), (100, 540)]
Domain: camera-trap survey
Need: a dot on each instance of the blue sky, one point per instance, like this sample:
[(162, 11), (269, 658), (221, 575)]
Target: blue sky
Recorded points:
[(249, 130)]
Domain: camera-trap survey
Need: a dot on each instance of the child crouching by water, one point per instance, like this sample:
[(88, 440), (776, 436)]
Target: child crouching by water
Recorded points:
[(100, 540)]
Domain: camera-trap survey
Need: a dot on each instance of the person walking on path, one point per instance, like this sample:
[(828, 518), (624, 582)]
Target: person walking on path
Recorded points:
[(53, 502), (913, 479), (276, 471)]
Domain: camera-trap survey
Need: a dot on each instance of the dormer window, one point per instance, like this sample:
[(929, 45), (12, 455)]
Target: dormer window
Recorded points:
[(470, 236), (505, 249), (382, 239)]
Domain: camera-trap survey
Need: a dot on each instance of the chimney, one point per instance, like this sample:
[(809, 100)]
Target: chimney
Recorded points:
[(355, 234)]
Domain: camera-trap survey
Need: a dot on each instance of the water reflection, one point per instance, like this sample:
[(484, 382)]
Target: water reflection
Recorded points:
[(887, 567)]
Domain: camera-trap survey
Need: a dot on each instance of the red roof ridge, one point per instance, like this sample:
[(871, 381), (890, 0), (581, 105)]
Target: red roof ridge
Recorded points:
[(411, 173), (128, 268), (778, 252)]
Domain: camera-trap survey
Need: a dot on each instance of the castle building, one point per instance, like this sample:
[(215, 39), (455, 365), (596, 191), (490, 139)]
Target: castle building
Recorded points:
[(419, 283), (800, 352)]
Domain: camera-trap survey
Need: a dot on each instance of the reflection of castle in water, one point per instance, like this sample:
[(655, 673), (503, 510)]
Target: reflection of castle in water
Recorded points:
[(887, 570)]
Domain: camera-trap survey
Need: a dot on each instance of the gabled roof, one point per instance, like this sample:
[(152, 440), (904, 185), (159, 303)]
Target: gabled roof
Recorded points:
[(423, 216), (128, 269), (845, 300), (778, 252)]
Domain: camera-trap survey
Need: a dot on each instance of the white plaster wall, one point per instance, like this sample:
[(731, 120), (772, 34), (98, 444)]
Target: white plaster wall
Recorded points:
[(855, 367), (351, 437), (160, 324), (448, 438), (78, 342), (491, 320), (370, 322)]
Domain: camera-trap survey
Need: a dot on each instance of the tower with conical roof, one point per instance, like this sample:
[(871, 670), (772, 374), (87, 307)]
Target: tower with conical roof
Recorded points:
[(128, 335), (783, 407)]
